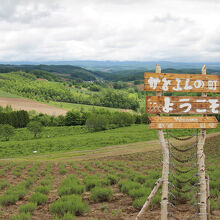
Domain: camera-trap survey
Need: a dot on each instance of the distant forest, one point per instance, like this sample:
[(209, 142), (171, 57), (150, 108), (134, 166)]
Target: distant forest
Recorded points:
[(68, 72)]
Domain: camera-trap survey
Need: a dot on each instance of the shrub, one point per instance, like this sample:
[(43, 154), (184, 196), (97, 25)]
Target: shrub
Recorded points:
[(67, 216), (45, 182), (69, 204), (70, 185), (141, 192), (29, 207), (140, 179), (43, 189), (38, 198), (29, 182), (72, 188), (9, 199), (18, 190), (128, 185), (113, 179), (91, 182), (4, 184), (139, 202), (22, 216), (100, 194)]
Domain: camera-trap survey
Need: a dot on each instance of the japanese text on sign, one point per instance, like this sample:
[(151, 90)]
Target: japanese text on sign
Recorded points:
[(182, 105), (181, 83)]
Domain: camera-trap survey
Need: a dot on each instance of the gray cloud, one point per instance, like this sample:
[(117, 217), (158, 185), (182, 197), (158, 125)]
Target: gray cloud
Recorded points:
[(115, 29)]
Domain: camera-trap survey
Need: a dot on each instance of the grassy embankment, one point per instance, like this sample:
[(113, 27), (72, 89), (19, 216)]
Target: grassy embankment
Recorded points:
[(78, 138)]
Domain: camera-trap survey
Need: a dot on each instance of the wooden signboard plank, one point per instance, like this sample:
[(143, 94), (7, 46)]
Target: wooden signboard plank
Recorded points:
[(169, 82), (182, 105), (158, 122)]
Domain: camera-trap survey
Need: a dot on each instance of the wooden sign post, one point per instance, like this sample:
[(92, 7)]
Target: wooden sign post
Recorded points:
[(200, 105)]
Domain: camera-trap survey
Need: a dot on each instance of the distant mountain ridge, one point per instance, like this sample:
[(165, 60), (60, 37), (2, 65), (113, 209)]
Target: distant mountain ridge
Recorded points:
[(65, 71), (115, 66)]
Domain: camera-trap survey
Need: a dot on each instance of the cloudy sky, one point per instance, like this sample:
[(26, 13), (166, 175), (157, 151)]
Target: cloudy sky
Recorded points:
[(146, 30)]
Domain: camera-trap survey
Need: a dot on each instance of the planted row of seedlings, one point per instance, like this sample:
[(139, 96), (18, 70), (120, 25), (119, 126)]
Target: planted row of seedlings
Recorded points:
[(70, 202), (6, 167), (39, 196)]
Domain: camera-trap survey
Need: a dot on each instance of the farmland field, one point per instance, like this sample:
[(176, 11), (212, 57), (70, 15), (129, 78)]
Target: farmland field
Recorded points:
[(112, 187), (29, 105)]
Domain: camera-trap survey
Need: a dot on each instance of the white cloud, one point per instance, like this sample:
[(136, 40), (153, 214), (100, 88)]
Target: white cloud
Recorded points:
[(175, 30)]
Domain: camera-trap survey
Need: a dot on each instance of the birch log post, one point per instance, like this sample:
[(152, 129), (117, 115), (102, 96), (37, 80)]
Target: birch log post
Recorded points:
[(165, 171), (149, 199), (201, 169), (208, 198)]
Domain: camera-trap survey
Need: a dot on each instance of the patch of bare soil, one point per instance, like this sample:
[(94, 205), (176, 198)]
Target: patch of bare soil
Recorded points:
[(28, 105)]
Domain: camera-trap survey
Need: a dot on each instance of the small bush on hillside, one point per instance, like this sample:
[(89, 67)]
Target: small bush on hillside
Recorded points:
[(140, 179), (69, 204), (43, 189), (113, 179), (139, 202), (18, 190), (128, 185), (45, 182), (22, 216), (91, 182), (141, 192), (4, 184), (9, 199), (67, 216), (101, 194), (71, 188), (26, 208), (38, 198), (29, 182)]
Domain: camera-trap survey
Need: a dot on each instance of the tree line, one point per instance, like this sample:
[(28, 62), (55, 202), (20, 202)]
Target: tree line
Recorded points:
[(25, 84)]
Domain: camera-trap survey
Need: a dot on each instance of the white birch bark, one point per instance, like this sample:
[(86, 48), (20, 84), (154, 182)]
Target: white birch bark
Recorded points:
[(165, 171), (149, 199), (201, 169)]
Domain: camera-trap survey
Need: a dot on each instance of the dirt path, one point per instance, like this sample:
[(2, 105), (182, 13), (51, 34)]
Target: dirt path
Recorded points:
[(116, 150), (28, 105)]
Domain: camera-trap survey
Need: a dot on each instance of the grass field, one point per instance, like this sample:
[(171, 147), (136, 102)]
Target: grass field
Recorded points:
[(8, 95), (108, 188), (62, 139), (71, 106)]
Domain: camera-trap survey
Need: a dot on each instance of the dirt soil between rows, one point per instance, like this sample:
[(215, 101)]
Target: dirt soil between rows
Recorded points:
[(28, 105)]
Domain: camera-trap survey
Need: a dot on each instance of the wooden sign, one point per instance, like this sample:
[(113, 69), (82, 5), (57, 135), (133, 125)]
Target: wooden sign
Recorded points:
[(182, 105), (158, 122), (169, 82)]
